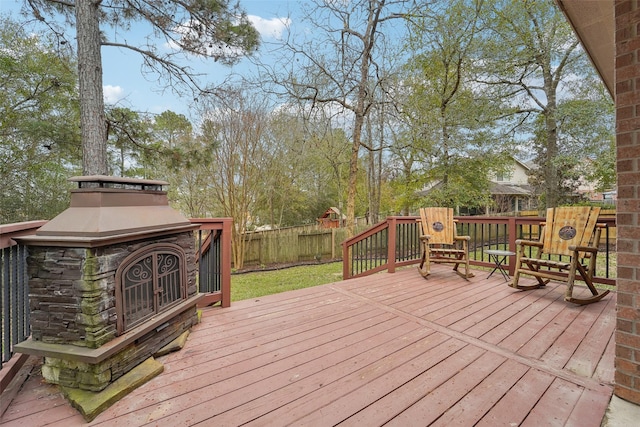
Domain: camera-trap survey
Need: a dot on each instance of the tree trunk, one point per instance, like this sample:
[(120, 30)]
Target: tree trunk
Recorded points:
[(552, 178), (355, 149), (371, 183), (93, 123), (353, 178), (372, 179), (552, 186)]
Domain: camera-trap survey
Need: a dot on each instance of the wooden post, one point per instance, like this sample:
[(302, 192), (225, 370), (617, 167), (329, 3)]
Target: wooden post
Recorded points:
[(512, 231), (333, 243), (225, 285), (391, 245), (346, 262)]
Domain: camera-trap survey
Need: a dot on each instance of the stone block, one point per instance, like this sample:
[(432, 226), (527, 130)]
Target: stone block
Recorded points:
[(96, 304), (94, 381), (50, 373), (91, 404), (96, 338), (98, 319)]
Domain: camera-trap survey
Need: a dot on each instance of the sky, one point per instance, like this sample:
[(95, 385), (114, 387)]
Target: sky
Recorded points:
[(124, 84)]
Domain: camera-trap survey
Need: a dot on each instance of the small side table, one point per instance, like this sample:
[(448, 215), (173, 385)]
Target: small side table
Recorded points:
[(499, 257)]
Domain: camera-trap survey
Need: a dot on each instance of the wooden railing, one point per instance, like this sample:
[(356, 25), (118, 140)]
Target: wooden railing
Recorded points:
[(395, 242), (214, 259), (389, 244), (15, 325)]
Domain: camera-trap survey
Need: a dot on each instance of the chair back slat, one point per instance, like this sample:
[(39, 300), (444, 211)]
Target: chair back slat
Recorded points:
[(438, 224), (569, 226)]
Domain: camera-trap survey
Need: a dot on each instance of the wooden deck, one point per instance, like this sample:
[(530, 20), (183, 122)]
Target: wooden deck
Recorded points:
[(389, 349)]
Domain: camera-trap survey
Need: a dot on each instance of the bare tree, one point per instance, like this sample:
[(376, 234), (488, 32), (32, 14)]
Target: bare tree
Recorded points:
[(202, 28), (339, 70), (236, 128)]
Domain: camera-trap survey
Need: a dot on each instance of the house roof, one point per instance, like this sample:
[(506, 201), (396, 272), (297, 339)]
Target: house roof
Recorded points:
[(494, 189), (527, 165), (594, 24), (510, 189), (333, 210)]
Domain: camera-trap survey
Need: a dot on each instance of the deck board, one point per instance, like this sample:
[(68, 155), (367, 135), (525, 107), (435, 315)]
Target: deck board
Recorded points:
[(484, 396), (387, 349), (516, 404)]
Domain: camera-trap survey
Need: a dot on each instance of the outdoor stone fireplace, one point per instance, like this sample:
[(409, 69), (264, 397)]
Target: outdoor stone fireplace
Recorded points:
[(112, 280)]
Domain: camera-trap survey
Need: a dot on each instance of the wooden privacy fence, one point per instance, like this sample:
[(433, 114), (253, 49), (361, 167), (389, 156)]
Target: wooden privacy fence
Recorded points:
[(293, 245)]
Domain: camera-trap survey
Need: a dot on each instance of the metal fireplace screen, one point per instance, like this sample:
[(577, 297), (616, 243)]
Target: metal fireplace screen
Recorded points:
[(148, 282)]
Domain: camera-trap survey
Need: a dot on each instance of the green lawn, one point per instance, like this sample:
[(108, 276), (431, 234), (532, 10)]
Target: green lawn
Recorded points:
[(257, 284)]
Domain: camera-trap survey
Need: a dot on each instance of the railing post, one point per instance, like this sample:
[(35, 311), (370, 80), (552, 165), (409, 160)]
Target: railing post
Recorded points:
[(606, 237), (346, 261), (225, 285), (391, 244), (512, 231)]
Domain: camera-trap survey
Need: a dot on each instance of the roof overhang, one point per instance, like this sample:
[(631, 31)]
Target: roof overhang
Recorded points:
[(594, 23)]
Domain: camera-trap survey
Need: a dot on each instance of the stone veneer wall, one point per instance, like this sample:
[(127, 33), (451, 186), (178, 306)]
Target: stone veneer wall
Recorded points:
[(72, 297), (627, 88), (72, 290), (97, 376)]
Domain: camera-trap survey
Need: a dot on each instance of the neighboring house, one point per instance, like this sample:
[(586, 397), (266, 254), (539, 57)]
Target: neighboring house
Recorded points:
[(587, 189), (511, 191)]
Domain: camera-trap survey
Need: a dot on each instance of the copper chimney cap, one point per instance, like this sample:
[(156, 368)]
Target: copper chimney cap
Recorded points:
[(107, 208)]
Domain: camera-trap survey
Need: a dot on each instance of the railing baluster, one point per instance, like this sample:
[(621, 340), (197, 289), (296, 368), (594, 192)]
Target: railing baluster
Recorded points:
[(606, 245), (354, 249), (5, 334), (22, 302), (13, 292)]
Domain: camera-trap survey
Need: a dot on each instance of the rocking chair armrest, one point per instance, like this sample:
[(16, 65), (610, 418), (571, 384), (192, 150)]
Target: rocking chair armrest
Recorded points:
[(521, 242), (590, 249), (467, 238), (425, 236)]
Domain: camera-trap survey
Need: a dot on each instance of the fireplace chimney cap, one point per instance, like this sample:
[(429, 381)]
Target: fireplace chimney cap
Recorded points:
[(108, 209), (104, 181)]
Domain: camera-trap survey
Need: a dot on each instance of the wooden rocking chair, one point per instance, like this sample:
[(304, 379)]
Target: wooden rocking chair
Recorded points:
[(440, 242), (571, 232)]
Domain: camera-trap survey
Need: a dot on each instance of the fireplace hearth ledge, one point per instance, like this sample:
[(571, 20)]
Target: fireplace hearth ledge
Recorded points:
[(97, 355)]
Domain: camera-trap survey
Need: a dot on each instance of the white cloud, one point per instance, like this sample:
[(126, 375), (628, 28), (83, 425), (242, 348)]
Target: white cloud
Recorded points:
[(268, 28), (112, 94), (272, 28)]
